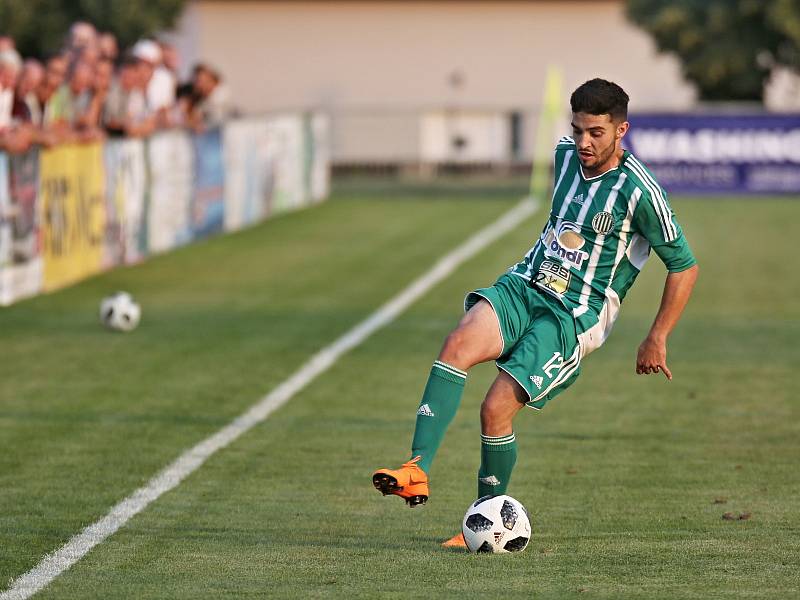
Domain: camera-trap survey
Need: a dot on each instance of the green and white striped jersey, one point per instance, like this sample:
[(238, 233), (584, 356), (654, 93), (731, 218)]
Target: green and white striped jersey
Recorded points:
[(598, 237)]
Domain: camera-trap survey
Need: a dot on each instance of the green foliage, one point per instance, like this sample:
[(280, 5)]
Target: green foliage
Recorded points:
[(40, 26), (727, 48)]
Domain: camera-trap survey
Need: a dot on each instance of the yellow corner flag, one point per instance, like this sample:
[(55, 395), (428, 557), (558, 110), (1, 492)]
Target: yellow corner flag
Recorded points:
[(549, 116)]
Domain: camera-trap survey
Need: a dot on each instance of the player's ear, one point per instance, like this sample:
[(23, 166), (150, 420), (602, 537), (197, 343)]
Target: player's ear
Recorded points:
[(622, 129)]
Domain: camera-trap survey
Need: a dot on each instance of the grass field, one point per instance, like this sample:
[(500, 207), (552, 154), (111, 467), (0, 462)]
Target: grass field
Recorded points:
[(626, 477)]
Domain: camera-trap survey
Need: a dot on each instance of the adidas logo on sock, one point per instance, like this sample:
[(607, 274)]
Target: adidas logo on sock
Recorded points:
[(490, 480), (537, 381), (425, 411)]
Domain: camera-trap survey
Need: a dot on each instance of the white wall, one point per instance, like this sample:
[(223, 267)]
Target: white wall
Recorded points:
[(379, 67), (402, 54)]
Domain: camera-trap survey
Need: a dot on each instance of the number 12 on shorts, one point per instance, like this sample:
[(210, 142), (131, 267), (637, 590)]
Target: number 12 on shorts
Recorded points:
[(555, 363)]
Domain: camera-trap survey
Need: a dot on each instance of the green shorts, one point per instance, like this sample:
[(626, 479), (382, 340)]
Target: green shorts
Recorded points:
[(540, 342)]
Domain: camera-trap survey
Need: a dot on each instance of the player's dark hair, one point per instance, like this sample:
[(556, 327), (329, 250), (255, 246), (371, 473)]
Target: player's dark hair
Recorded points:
[(600, 97)]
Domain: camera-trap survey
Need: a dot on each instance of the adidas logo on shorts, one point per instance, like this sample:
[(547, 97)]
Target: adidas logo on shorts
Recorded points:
[(537, 381), (425, 411)]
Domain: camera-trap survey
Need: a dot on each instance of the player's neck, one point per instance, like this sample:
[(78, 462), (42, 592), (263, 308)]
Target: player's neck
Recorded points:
[(612, 163)]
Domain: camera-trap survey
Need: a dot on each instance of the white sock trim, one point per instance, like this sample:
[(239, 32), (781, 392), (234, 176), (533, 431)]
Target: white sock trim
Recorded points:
[(450, 369)]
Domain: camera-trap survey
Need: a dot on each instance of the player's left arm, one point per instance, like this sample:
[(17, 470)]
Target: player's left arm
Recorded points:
[(652, 355), (655, 220)]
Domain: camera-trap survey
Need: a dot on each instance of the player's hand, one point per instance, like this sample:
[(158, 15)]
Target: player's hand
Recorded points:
[(652, 358)]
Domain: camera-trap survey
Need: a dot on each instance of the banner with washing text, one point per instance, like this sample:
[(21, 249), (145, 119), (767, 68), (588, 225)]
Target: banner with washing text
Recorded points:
[(719, 153), (72, 205)]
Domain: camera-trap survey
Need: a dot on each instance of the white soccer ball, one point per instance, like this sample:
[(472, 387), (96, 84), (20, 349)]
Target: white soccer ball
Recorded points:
[(120, 312), (496, 524)]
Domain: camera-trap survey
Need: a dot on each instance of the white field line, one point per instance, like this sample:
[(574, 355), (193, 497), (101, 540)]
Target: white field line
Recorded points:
[(77, 547)]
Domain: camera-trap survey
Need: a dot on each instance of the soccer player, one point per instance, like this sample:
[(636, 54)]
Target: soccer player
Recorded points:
[(547, 313)]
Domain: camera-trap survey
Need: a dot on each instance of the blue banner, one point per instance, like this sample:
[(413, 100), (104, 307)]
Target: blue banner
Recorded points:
[(208, 202), (719, 153)]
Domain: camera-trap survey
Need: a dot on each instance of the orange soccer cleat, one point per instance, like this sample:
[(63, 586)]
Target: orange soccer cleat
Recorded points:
[(409, 482), (457, 541)]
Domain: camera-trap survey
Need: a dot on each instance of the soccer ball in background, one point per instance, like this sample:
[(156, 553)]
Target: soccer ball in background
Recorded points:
[(496, 524), (120, 312)]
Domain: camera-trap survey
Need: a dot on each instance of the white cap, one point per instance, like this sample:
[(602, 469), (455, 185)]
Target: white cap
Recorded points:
[(147, 50)]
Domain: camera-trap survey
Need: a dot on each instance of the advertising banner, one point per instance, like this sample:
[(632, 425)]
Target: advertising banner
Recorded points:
[(126, 189), (70, 211), (208, 201), (248, 173), (5, 214), (284, 140), (719, 153), (319, 147), (169, 157), (20, 258), (72, 200)]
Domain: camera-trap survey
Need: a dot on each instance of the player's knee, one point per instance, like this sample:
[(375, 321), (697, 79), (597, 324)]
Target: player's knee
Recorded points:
[(454, 351)]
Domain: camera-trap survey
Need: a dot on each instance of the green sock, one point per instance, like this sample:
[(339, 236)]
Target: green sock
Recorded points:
[(439, 404), (498, 455)]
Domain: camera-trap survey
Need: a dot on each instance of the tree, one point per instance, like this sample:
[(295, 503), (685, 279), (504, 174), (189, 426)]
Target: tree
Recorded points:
[(727, 48), (39, 27)]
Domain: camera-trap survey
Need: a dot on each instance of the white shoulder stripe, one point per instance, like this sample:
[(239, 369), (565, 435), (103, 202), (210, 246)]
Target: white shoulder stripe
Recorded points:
[(661, 199), (567, 158), (660, 204), (656, 197), (652, 194)]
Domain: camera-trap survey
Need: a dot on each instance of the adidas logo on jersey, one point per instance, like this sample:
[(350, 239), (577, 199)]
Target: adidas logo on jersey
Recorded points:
[(537, 381), (578, 199), (425, 411), (490, 480)]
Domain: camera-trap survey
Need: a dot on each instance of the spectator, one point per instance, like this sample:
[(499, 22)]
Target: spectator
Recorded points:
[(89, 54), (101, 84), (10, 64), (55, 73), (170, 59), (107, 44), (27, 108), (159, 80), (7, 43), (212, 99), (81, 35), (71, 100), (126, 111), (13, 137)]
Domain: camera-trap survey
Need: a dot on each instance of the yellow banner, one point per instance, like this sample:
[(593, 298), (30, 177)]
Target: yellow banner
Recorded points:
[(73, 213)]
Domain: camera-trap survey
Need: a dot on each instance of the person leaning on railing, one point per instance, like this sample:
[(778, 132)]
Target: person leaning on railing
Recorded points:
[(126, 112), (77, 95), (14, 136)]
